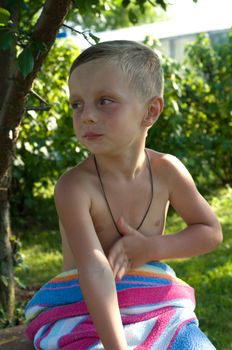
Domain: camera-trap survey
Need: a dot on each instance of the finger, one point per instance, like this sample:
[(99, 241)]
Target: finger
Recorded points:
[(114, 252), (125, 267), (122, 272), (119, 263), (123, 227)]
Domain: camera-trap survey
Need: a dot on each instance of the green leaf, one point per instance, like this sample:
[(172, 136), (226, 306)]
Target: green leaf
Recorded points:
[(141, 4), (132, 16), (162, 3), (95, 38), (26, 61), (19, 282), (82, 6), (39, 45), (4, 16), (6, 39), (4, 280), (125, 3)]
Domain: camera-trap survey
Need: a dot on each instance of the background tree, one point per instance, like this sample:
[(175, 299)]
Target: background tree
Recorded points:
[(114, 16), (196, 122), (28, 30)]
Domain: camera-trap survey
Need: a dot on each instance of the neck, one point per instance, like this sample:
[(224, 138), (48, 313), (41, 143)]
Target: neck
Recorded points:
[(125, 165)]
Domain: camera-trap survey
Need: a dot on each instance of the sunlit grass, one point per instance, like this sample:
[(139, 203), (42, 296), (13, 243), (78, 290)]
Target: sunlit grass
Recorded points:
[(210, 274), (43, 259)]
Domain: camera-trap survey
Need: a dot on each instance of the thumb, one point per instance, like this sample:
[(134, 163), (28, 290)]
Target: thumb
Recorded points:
[(124, 227)]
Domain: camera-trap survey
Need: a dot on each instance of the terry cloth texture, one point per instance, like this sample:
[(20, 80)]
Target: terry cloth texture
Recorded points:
[(157, 310)]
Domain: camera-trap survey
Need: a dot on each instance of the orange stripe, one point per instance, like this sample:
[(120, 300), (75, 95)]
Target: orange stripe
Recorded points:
[(131, 273), (64, 278), (152, 274)]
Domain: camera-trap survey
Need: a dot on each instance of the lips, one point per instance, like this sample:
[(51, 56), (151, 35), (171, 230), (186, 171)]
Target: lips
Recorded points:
[(92, 136)]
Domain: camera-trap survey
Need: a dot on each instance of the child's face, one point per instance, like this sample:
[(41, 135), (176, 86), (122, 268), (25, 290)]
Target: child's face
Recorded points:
[(107, 114)]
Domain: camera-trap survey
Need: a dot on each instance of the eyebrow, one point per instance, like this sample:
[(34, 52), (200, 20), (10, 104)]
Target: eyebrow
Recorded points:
[(100, 92), (73, 97)]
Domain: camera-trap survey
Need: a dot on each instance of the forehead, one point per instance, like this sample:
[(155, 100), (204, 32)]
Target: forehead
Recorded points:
[(100, 72)]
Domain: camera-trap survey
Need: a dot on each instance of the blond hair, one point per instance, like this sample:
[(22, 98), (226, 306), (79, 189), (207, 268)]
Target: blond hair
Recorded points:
[(139, 62)]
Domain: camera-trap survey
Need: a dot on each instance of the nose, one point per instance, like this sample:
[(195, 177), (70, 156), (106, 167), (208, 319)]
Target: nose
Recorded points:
[(88, 115)]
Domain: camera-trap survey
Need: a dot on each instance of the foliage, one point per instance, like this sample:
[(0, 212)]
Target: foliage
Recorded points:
[(18, 36), (27, 33), (210, 274), (196, 122), (210, 91), (46, 146), (118, 14), (91, 15), (41, 154)]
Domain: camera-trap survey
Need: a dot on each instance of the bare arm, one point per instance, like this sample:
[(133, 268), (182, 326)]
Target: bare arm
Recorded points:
[(202, 234), (95, 274)]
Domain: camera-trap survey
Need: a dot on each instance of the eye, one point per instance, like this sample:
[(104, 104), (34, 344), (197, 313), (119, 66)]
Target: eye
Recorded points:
[(76, 105), (105, 101)]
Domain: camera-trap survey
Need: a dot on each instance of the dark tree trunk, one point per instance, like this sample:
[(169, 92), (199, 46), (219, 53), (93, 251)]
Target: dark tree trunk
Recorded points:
[(13, 94), (7, 297)]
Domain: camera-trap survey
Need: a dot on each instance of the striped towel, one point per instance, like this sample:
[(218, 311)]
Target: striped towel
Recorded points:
[(155, 306)]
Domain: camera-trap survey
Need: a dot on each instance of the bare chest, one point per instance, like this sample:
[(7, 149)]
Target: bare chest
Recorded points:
[(131, 202)]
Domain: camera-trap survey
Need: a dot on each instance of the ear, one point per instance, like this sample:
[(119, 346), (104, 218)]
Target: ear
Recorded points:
[(153, 111)]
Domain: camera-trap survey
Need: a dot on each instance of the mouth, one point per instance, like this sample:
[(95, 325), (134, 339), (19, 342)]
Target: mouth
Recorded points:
[(92, 136)]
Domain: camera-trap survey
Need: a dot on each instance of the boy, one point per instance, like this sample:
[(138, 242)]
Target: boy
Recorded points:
[(112, 209)]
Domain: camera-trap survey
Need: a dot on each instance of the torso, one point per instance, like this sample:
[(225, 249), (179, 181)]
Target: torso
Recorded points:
[(125, 200)]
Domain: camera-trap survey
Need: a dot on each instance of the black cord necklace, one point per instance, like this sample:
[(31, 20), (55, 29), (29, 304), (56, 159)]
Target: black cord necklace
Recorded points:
[(107, 203)]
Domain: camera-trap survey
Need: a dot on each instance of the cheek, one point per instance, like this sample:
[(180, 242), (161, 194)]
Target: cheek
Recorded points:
[(75, 124)]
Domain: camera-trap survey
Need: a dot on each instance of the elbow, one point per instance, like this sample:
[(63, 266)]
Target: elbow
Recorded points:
[(95, 273), (219, 238), (217, 235)]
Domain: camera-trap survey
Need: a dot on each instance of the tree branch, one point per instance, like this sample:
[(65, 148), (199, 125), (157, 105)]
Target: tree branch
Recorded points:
[(78, 32), (38, 108), (13, 109), (32, 92)]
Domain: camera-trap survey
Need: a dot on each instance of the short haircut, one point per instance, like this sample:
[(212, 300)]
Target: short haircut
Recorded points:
[(139, 62)]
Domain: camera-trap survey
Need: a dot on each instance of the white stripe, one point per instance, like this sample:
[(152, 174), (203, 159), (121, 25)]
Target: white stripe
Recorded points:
[(60, 328), (164, 340), (135, 334), (139, 309)]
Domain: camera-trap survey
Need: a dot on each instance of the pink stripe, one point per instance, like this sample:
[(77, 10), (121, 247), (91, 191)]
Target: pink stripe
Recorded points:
[(127, 298), (55, 314), (81, 337), (145, 316), (154, 295), (178, 330), (156, 331)]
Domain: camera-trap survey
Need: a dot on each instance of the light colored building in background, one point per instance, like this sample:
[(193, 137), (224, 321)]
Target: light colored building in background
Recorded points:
[(186, 20)]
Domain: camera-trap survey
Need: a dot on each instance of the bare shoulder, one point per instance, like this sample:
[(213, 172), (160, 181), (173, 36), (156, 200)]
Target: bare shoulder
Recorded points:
[(183, 193), (165, 161), (170, 169), (74, 181)]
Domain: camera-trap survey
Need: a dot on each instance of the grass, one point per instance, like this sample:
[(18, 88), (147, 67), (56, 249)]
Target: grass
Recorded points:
[(210, 275), (41, 250)]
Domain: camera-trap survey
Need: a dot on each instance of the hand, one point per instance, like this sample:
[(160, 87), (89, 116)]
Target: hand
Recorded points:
[(128, 252)]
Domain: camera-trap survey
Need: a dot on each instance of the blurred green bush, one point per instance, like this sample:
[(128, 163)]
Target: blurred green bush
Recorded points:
[(195, 126)]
